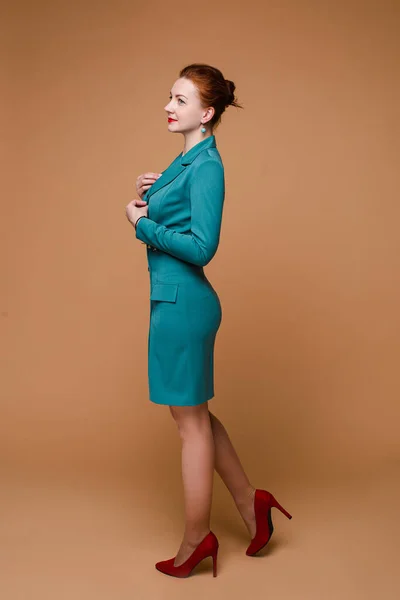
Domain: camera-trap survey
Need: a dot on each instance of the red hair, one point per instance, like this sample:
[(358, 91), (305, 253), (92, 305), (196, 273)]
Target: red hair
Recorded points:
[(214, 90)]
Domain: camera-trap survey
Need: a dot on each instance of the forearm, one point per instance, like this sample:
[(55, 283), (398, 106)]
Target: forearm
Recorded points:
[(184, 246)]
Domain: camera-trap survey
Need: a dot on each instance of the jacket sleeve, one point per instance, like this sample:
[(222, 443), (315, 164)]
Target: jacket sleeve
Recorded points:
[(207, 193)]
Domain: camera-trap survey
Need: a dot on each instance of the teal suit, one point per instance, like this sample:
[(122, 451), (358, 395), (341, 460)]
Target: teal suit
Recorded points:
[(182, 234)]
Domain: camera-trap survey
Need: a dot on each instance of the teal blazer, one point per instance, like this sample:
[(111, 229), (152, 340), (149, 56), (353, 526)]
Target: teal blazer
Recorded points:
[(185, 206), (181, 234)]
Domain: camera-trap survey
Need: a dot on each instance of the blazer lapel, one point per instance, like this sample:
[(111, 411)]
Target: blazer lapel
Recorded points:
[(167, 176), (179, 165)]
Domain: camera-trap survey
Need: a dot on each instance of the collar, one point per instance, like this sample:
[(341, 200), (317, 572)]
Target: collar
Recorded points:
[(208, 142)]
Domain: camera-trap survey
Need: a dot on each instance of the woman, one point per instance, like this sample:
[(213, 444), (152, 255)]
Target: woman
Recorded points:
[(179, 219)]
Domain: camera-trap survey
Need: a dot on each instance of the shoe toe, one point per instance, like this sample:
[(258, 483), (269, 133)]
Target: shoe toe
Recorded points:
[(165, 565), (252, 549)]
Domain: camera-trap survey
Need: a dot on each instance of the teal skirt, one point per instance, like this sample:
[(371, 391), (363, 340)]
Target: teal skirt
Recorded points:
[(184, 320)]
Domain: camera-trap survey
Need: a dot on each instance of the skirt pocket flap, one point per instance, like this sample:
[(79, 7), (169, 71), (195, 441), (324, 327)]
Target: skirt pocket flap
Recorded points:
[(164, 291)]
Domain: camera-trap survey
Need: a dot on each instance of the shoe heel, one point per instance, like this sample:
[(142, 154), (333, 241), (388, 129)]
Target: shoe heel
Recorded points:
[(214, 557), (274, 502)]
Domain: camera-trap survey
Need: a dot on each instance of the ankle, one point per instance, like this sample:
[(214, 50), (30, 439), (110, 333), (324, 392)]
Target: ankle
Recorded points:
[(195, 537), (246, 496)]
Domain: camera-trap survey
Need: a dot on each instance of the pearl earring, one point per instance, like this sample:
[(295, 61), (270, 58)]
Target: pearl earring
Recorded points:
[(203, 129)]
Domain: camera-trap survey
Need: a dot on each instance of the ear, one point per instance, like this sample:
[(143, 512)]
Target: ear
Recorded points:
[(209, 113)]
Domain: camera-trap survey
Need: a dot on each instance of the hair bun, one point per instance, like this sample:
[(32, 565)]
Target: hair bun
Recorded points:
[(230, 86)]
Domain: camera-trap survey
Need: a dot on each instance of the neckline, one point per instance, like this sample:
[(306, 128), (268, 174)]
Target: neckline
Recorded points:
[(197, 144)]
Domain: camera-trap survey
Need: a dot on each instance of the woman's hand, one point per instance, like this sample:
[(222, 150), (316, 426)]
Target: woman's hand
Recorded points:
[(136, 209), (145, 181)]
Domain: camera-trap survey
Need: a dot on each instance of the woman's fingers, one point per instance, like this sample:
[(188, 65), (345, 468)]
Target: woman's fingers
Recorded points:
[(147, 178), (145, 181), (151, 176)]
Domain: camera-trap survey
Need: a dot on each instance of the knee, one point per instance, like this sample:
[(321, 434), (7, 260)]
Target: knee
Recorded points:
[(189, 418)]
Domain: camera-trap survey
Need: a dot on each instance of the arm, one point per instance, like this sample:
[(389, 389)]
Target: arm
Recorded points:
[(207, 192)]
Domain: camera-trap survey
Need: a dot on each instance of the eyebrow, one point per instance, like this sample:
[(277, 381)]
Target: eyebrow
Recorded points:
[(179, 95)]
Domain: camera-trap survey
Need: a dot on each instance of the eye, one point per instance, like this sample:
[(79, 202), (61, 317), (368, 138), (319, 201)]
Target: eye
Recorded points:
[(179, 99)]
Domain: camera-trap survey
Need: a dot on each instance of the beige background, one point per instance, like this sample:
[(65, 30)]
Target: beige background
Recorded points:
[(307, 356)]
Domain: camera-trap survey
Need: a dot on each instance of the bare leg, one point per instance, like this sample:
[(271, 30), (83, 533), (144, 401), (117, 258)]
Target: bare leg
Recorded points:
[(198, 455), (230, 469)]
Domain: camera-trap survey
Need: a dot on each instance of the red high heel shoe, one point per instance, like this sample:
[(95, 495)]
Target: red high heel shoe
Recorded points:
[(207, 547), (263, 502)]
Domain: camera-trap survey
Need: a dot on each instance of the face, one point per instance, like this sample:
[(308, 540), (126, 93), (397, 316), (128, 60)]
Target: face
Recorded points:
[(185, 108)]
